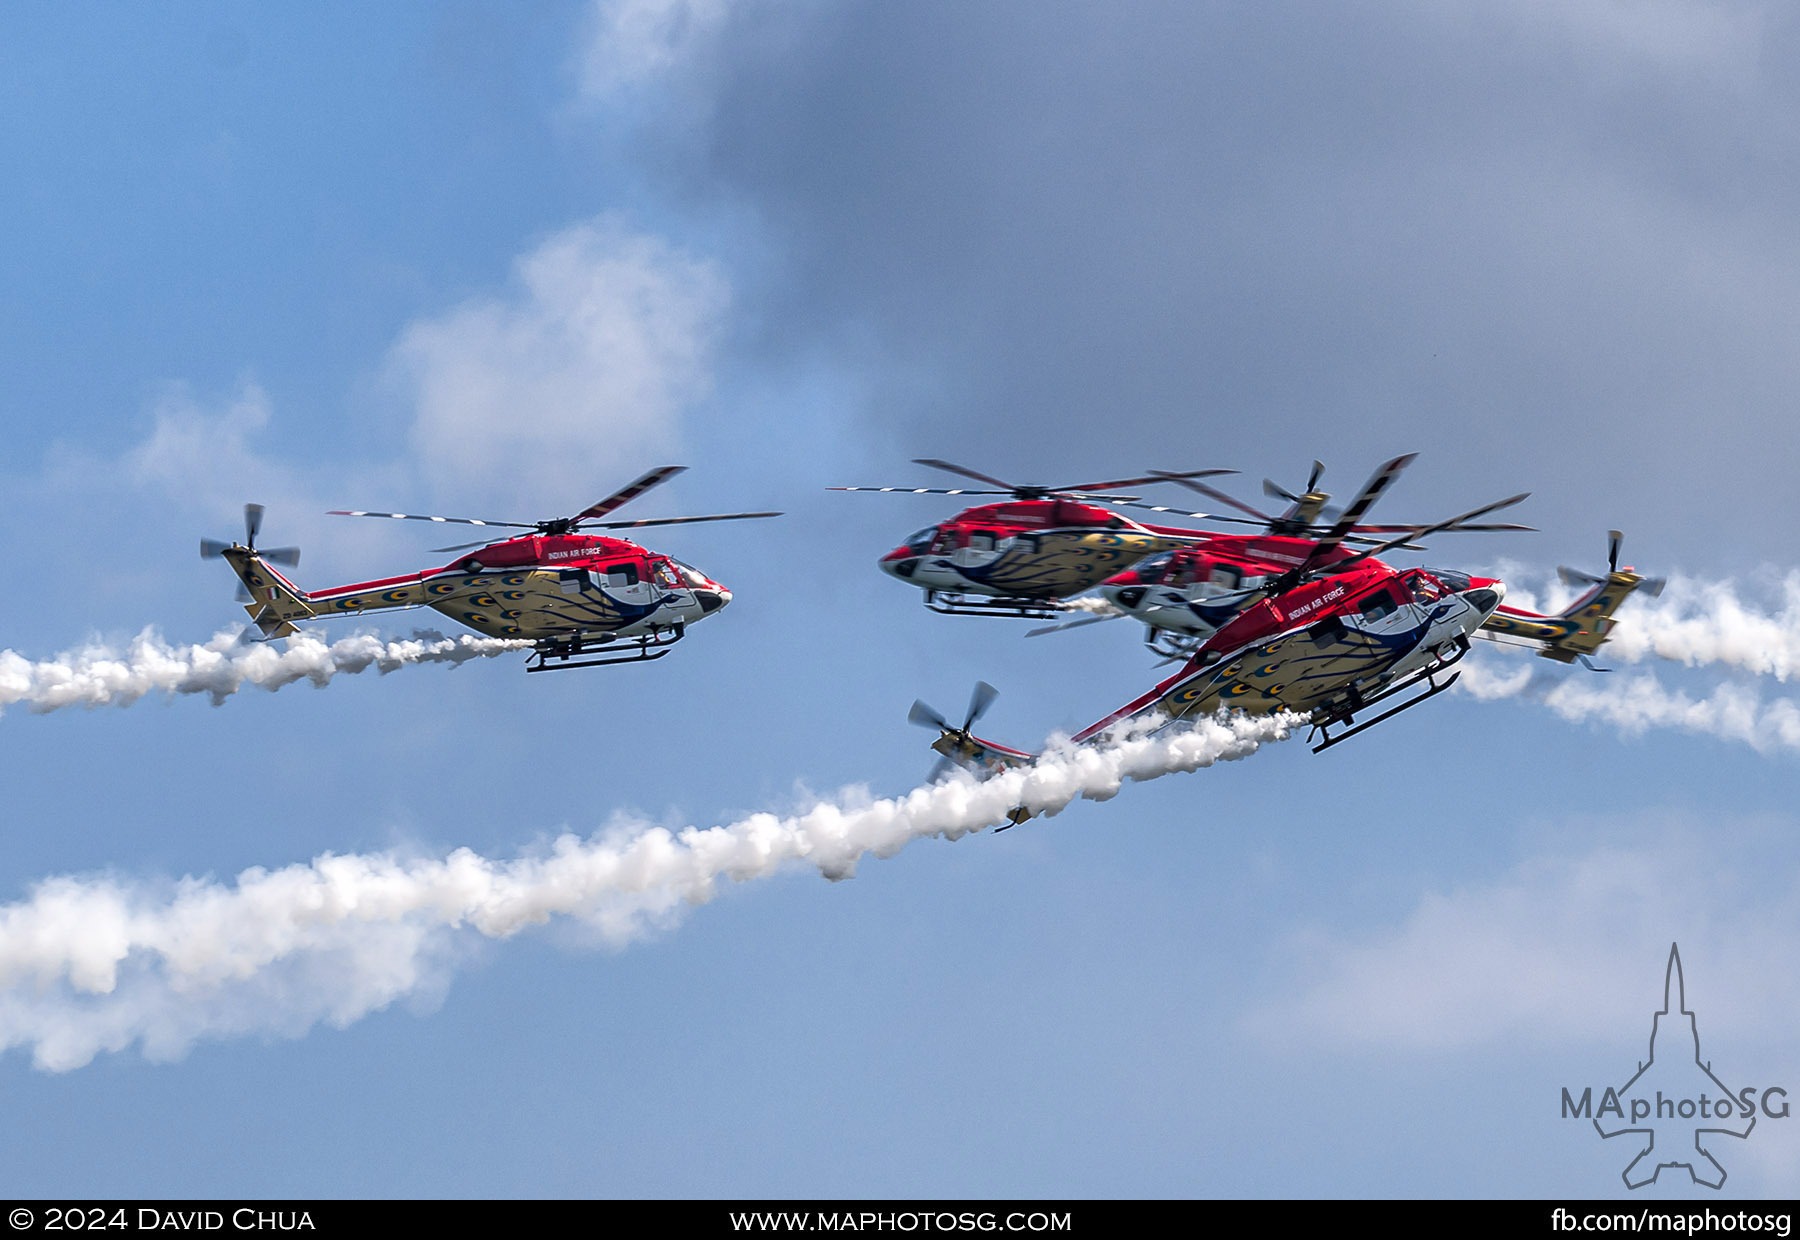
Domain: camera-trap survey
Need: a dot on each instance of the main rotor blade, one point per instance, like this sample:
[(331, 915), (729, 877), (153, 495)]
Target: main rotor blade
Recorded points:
[(1156, 476), (921, 490), (1347, 521), (1484, 528), (485, 542), (407, 516), (1074, 624), (631, 525), (655, 477), (1214, 493), (1007, 487), (1424, 531)]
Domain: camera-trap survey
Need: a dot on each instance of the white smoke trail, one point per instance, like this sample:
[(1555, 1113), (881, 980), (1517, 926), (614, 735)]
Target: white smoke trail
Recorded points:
[(99, 675), (1702, 622), (1092, 604), (1698, 623), (1637, 703), (95, 964), (1695, 622)]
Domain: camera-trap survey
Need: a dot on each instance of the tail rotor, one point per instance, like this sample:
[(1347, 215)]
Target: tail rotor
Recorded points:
[(213, 548), (954, 744), (1615, 575)]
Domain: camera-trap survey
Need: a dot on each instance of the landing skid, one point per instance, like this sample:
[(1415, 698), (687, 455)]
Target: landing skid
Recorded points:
[(981, 605), (551, 655), (1346, 713)]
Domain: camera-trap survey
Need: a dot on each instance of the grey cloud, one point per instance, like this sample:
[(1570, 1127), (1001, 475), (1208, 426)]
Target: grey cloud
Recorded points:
[(1550, 249)]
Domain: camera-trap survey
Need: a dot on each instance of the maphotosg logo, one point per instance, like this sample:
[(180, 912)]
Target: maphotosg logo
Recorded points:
[(1674, 1108)]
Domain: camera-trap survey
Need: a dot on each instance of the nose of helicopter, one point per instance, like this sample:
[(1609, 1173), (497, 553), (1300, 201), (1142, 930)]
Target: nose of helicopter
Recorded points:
[(1122, 589), (712, 599), (1486, 597), (901, 562)]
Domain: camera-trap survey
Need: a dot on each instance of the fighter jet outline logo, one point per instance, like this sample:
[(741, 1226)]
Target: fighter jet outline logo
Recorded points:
[(1683, 1117)]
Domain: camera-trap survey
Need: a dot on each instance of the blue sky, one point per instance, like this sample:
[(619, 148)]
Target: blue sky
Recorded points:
[(496, 260)]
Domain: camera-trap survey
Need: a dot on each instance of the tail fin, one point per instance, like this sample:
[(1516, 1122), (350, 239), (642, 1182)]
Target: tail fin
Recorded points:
[(272, 600), (275, 602), (1583, 627)]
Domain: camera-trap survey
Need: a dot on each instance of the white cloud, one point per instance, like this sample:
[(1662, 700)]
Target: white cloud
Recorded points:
[(576, 379), (635, 42), (1567, 948), (200, 452)]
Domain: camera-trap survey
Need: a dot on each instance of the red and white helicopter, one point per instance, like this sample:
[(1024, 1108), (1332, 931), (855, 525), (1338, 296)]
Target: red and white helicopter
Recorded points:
[(1183, 597), (1024, 556), (1330, 636), (567, 592)]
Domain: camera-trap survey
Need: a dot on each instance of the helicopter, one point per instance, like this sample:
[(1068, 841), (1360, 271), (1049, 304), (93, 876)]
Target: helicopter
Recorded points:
[(1184, 596), (572, 595), (1328, 633), (1024, 556)]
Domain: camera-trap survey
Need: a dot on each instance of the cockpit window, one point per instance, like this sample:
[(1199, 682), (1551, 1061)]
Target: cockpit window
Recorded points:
[(689, 574), (1425, 588), (920, 543), (666, 576), (1150, 568), (1452, 580)]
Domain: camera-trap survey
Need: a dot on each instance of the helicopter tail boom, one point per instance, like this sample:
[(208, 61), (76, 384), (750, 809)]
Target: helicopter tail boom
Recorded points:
[(1583, 627), (275, 603)]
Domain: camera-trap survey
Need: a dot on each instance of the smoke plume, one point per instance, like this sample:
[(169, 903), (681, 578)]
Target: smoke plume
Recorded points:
[(1700, 624), (97, 964), (99, 675), (1707, 623)]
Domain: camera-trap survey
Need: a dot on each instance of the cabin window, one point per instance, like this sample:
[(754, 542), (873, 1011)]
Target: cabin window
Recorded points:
[(622, 575), (1382, 603), (1226, 577), (981, 540)]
